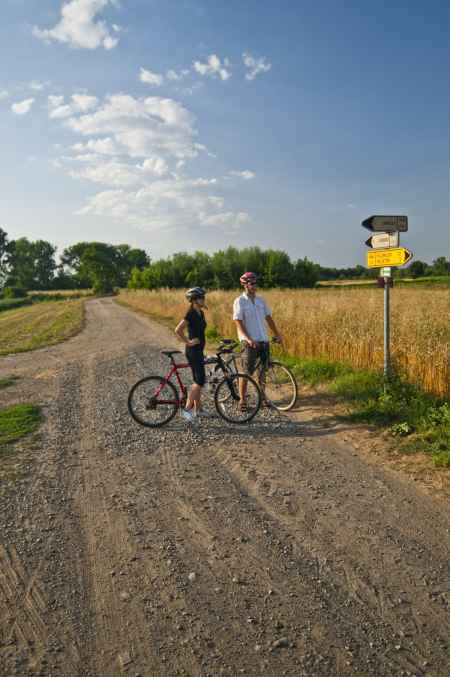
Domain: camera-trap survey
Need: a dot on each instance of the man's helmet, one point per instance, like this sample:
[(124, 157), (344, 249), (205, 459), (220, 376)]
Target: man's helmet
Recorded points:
[(248, 277), (195, 293)]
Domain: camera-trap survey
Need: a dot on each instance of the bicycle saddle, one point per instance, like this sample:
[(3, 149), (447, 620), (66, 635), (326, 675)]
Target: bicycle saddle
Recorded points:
[(169, 353)]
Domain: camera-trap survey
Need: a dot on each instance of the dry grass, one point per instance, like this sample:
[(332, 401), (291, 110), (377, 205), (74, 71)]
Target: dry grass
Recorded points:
[(343, 325), (63, 293), (39, 325)]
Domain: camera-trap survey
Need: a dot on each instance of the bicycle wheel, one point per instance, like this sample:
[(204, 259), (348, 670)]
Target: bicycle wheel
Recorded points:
[(227, 399), (280, 386), (153, 401)]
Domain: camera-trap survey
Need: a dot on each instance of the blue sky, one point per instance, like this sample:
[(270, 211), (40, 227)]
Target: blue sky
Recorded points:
[(184, 124)]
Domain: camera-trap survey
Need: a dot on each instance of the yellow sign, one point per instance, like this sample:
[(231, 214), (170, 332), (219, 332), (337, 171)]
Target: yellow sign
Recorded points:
[(396, 256)]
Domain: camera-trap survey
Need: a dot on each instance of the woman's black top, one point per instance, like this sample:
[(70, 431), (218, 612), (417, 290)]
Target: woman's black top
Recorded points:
[(196, 326)]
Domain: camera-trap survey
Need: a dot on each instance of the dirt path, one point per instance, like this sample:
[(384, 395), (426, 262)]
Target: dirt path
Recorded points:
[(275, 549)]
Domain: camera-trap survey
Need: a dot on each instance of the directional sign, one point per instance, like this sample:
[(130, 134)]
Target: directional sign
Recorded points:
[(388, 224), (383, 240), (388, 257)]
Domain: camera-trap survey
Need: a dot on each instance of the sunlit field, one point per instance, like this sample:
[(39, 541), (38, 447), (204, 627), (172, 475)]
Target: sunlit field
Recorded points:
[(39, 325), (340, 325)]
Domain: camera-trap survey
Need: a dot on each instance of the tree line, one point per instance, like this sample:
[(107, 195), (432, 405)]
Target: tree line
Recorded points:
[(32, 265), (26, 265)]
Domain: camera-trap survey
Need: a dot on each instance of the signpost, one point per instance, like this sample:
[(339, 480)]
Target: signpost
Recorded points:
[(386, 253), (383, 240), (386, 224), (397, 256)]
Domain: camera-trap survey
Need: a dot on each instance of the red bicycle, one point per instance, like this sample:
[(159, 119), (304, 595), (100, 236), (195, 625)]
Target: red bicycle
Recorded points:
[(154, 400)]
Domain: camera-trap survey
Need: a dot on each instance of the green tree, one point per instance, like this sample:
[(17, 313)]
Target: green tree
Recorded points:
[(135, 280), (416, 269), (278, 269), (71, 263), (202, 271), (306, 273), (129, 258), (441, 266), (100, 265), (31, 265), (3, 256), (227, 267)]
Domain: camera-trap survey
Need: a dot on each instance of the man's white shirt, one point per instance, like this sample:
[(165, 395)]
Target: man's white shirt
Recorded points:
[(253, 314)]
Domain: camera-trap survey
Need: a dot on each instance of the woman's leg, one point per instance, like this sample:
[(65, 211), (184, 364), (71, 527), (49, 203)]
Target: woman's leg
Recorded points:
[(197, 361), (193, 400)]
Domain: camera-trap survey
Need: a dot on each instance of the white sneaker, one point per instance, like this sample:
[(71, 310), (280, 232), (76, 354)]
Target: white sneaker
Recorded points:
[(188, 415)]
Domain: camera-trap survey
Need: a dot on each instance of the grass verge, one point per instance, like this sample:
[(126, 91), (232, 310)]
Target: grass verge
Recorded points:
[(421, 420), (39, 325), (7, 381), (18, 421)]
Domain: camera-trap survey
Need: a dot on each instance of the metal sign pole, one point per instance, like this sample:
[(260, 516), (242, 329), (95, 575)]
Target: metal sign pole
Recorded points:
[(387, 354), (386, 251)]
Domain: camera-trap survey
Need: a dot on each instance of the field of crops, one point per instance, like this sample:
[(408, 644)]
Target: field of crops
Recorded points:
[(340, 325)]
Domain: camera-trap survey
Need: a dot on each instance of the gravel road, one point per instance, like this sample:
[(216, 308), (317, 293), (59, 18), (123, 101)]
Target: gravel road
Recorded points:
[(270, 549)]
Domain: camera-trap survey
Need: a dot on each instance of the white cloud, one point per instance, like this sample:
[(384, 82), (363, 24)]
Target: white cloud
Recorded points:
[(98, 146), (22, 107), (231, 219), (38, 86), (170, 203), (155, 165), (79, 103), (78, 28), (244, 174), (137, 150), (173, 75), (84, 102), (151, 78), (55, 101), (255, 66), (142, 127), (3, 94), (213, 67)]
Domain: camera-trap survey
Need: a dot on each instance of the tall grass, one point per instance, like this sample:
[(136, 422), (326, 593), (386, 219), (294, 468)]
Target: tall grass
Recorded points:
[(344, 325)]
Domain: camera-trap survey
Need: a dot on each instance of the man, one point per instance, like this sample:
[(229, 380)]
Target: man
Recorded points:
[(251, 313)]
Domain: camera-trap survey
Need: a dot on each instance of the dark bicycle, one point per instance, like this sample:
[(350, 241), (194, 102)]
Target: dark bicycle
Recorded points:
[(154, 400), (277, 383)]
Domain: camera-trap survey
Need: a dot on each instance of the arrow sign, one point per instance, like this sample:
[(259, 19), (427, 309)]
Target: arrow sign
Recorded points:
[(387, 224), (388, 257), (383, 240)]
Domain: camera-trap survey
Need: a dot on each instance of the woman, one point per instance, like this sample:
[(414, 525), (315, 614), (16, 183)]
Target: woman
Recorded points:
[(195, 322)]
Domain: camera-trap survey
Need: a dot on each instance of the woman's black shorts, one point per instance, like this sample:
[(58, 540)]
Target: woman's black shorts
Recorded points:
[(196, 361)]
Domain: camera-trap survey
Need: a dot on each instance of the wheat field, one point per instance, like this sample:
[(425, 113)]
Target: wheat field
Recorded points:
[(343, 325)]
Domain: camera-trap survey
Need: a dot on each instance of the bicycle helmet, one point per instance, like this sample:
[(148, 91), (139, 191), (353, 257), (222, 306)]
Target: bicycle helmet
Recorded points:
[(247, 277), (195, 293)]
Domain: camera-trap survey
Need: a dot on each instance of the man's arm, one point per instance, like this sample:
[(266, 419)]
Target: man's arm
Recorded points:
[(240, 324), (238, 319), (273, 327)]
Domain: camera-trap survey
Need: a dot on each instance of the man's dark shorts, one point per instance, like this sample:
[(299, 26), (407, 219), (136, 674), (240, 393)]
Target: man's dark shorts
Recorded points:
[(249, 356), (196, 360)]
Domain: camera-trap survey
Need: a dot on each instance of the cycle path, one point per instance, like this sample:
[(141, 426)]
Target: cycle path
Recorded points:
[(274, 549)]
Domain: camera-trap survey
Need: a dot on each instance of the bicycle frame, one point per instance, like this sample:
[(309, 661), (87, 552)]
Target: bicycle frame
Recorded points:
[(174, 370)]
